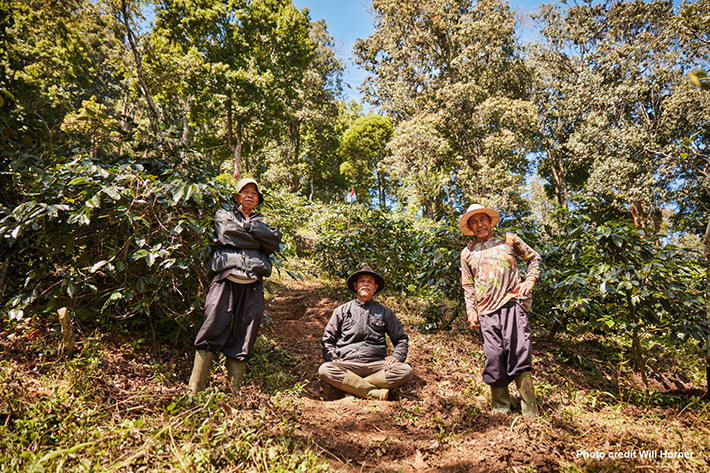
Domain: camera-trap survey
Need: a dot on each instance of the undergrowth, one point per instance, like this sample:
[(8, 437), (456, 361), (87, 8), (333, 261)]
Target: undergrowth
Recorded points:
[(119, 403)]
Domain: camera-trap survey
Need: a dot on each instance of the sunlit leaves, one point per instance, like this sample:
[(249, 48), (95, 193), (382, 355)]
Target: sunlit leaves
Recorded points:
[(102, 232), (615, 103), (597, 273), (700, 79), (458, 62)]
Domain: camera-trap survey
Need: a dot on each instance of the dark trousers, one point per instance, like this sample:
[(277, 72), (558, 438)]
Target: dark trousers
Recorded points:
[(507, 344), (233, 314)]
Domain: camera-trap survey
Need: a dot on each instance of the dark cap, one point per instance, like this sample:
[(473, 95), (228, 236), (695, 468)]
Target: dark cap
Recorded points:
[(366, 271)]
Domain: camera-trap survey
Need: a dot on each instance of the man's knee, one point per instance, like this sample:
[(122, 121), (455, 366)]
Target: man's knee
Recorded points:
[(398, 374), (331, 373)]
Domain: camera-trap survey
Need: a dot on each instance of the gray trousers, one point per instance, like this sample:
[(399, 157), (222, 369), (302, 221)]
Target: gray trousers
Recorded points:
[(396, 374), (233, 314), (507, 344)]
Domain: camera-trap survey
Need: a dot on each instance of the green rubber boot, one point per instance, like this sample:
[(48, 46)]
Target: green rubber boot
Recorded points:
[(378, 379), (235, 373), (528, 402), (500, 398), (354, 384), (200, 372)]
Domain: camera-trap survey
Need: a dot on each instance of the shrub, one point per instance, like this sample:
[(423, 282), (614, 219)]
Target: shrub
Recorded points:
[(118, 243)]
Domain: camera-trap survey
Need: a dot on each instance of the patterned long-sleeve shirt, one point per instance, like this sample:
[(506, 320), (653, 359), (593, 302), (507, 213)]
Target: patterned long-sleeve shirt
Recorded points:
[(489, 271)]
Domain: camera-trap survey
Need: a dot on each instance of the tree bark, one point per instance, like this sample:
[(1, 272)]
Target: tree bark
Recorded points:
[(636, 342), (706, 250), (234, 142), (558, 175), (3, 277), (185, 138), (295, 132), (68, 338), (139, 68), (638, 213)]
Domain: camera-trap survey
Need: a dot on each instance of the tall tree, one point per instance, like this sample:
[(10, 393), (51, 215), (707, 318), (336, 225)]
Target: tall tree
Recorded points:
[(693, 23), (312, 117), (255, 54), (364, 147), (53, 57), (614, 101), (459, 60), (419, 155)]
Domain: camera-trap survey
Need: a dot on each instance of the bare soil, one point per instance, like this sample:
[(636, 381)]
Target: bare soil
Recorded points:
[(441, 421)]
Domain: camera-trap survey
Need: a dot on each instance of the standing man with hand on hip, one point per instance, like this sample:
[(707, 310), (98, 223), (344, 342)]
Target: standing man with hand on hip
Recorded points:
[(235, 302), (496, 302)]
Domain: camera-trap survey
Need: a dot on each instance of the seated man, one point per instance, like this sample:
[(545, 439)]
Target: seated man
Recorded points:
[(355, 346)]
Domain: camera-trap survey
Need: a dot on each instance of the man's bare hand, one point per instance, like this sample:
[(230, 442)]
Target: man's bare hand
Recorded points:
[(473, 321), (525, 287), (391, 360)]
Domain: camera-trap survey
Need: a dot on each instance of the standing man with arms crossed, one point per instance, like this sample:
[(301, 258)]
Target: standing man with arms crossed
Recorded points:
[(494, 303), (235, 302)]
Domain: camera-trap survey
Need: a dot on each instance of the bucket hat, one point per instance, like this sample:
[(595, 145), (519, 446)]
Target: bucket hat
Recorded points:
[(243, 182)]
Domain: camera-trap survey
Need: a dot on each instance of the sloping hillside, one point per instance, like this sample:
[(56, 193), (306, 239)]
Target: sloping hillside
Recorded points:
[(120, 405), (441, 420)]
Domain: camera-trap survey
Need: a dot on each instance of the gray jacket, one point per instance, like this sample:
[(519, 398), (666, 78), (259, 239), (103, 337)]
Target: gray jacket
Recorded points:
[(356, 332), (242, 244)]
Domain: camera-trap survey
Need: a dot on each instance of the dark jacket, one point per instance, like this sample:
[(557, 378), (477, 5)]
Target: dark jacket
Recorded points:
[(242, 244), (356, 332)]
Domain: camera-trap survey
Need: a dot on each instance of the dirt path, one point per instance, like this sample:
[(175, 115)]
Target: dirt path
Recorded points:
[(432, 425)]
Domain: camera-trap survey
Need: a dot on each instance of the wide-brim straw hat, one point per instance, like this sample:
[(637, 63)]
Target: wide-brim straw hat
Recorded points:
[(474, 209), (243, 182), (366, 271)]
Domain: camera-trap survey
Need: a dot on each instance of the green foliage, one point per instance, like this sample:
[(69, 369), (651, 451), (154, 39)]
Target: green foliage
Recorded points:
[(459, 62), (421, 160), (270, 365), (66, 427), (245, 63), (612, 276), (615, 103), (123, 242), (700, 79), (415, 256), (363, 147), (375, 237)]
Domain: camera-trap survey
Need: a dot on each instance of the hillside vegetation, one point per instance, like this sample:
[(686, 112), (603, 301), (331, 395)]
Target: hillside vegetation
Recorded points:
[(120, 404), (120, 137)]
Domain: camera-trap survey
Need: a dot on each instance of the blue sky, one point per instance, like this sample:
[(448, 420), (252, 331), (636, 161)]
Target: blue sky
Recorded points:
[(348, 20)]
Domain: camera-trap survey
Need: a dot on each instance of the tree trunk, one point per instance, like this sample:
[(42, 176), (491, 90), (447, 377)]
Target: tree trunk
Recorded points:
[(234, 142), (636, 342), (238, 152), (185, 138), (637, 211), (139, 68), (558, 175), (310, 196), (3, 277), (706, 250), (68, 338), (295, 136)]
